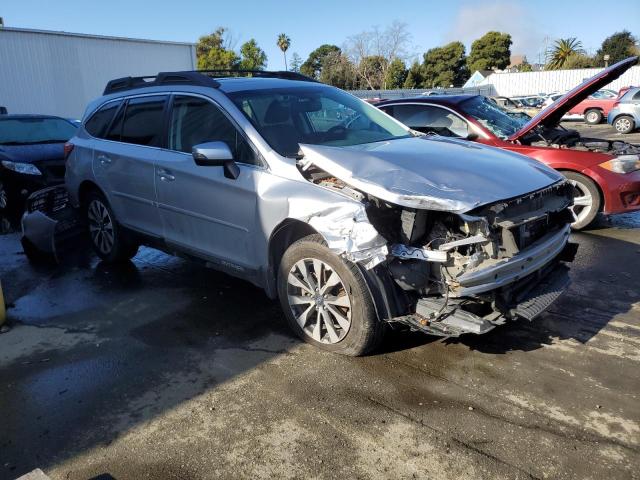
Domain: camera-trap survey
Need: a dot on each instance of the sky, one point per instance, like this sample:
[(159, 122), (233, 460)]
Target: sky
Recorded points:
[(532, 24)]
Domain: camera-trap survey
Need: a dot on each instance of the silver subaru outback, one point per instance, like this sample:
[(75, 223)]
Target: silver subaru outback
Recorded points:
[(355, 222)]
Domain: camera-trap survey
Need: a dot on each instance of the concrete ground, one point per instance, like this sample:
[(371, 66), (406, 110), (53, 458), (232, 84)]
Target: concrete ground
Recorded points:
[(164, 369)]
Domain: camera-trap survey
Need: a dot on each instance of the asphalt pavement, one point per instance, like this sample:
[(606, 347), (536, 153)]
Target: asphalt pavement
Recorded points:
[(164, 369)]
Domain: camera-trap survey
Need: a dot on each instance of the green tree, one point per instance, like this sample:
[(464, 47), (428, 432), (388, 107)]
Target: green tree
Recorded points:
[(213, 51), (525, 66), (414, 76), (578, 60), (490, 51), (296, 62), (312, 67), (339, 71), (445, 66), (562, 49), (396, 74), (253, 57), (371, 72), (618, 46), (284, 43)]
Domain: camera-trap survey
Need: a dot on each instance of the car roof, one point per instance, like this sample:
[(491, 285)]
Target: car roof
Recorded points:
[(240, 84), (443, 99), (18, 116)]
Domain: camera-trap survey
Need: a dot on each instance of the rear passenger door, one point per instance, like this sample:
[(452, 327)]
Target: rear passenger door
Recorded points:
[(203, 211), (124, 162)]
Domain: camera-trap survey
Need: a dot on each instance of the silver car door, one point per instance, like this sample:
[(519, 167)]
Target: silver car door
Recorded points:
[(124, 163), (203, 210)]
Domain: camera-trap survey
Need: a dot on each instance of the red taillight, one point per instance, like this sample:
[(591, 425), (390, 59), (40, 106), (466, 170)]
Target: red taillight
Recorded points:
[(68, 148)]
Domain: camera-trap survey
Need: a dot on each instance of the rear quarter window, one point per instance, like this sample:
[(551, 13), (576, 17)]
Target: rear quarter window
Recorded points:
[(99, 122)]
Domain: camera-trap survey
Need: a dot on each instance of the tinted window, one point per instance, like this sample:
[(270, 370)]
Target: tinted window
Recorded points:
[(97, 125), (428, 119), (115, 130), (35, 130), (142, 123), (637, 95), (196, 120)]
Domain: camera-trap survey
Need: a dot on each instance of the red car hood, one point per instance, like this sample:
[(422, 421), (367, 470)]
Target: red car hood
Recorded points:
[(551, 116)]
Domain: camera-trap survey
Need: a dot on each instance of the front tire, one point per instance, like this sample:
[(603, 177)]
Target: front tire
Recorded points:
[(587, 200), (108, 239), (624, 124), (593, 117), (326, 300)]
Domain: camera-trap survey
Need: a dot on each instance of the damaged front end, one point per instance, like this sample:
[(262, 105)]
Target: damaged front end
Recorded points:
[(446, 273)]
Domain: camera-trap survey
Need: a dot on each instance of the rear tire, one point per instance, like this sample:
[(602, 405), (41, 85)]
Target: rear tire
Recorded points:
[(587, 200), (624, 124), (326, 300), (593, 117), (108, 239)]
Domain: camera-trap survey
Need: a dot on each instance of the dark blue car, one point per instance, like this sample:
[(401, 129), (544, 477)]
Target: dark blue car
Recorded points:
[(31, 157)]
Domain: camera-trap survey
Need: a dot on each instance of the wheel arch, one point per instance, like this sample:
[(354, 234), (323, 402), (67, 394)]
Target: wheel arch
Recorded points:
[(85, 188), (603, 198), (283, 235)]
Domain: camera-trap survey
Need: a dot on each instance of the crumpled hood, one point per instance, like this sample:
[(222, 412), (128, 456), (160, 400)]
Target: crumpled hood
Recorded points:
[(433, 173), (32, 153)]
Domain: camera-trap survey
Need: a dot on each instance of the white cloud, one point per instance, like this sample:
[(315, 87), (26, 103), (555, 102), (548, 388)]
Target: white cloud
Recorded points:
[(475, 19)]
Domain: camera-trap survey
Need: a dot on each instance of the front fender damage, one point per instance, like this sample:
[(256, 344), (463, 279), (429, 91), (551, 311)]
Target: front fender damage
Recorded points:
[(346, 229)]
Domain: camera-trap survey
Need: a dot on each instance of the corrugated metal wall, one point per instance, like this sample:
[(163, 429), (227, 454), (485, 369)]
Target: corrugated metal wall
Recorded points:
[(532, 83), (59, 73)]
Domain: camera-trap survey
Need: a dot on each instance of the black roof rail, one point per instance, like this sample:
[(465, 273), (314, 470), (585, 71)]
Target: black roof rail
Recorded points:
[(257, 73), (162, 78), (205, 78)]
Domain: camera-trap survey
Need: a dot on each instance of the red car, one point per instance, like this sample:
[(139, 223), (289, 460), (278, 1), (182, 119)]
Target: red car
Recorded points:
[(595, 109), (605, 174)]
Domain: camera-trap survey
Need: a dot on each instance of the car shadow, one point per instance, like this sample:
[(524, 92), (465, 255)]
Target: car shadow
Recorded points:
[(596, 295)]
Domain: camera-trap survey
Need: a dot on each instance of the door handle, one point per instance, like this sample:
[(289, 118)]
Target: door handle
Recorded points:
[(165, 175), (104, 160)]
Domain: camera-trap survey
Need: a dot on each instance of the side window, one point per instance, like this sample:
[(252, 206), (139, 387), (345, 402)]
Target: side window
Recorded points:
[(429, 119), (142, 124), (99, 122), (196, 120), (636, 96)]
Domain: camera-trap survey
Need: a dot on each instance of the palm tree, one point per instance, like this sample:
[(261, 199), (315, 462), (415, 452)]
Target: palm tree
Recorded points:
[(562, 49), (283, 43)]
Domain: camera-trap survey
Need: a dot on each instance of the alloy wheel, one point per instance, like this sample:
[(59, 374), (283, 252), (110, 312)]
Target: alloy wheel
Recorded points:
[(100, 226), (623, 125), (592, 117), (582, 201), (319, 301)]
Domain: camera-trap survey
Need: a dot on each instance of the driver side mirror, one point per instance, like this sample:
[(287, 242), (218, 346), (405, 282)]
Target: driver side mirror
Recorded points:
[(216, 154)]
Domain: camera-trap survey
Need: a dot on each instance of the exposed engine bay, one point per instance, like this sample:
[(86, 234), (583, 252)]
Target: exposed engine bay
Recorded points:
[(458, 273), (563, 138)]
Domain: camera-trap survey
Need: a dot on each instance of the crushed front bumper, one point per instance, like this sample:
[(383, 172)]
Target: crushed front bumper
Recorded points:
[(433, 316)]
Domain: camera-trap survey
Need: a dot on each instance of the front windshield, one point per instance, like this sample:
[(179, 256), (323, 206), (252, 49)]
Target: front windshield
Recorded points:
[(494, 118), (317, 115), (35, 130)]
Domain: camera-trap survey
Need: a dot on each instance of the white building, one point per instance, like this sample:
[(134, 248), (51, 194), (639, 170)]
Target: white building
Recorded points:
[(58, 73), (533, 83)]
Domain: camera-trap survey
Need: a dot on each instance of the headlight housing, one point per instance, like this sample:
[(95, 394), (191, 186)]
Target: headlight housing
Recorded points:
[(19, 167), (623, 164)]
